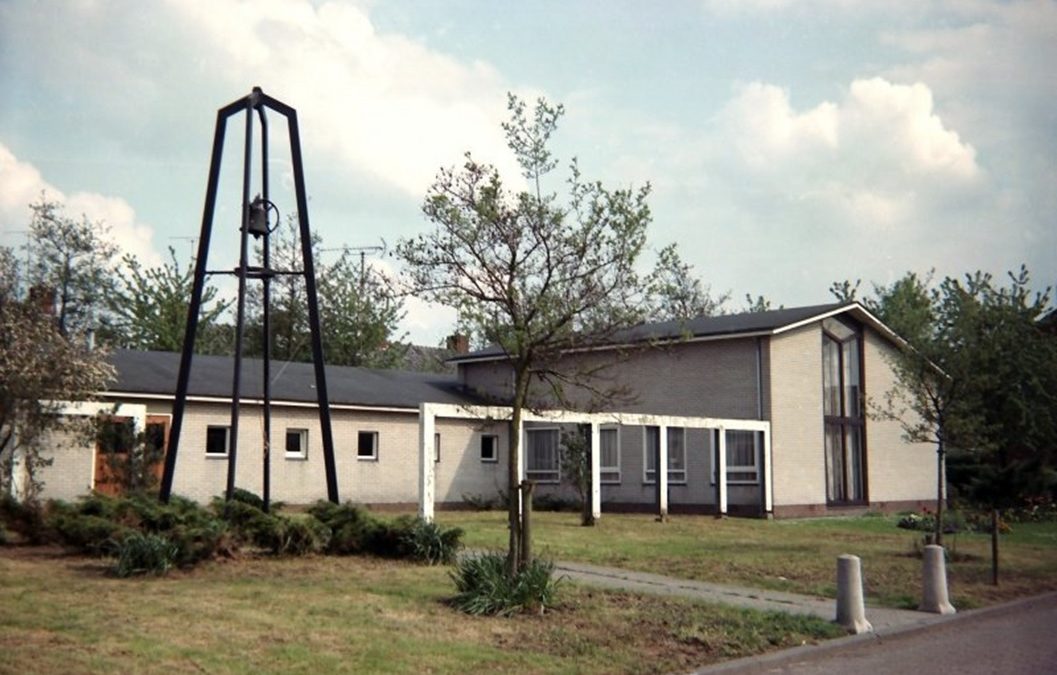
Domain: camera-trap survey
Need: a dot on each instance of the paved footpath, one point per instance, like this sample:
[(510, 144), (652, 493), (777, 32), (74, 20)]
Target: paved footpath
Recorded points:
[(883, 619)]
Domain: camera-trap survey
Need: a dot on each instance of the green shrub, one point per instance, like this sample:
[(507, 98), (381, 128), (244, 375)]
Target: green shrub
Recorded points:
[(247, 522), (26, 519), (304, 535), (247, 497), (430, 543), (484, 587), (140, 553), (352, 527), (88, 533)]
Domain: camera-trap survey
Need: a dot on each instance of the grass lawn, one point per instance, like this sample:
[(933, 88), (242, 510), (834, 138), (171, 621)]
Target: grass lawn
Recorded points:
[(790, 555), (61, 614)]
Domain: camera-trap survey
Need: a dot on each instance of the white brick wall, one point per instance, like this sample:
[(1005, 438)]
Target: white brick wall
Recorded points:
[(897, 470), (799, 463)]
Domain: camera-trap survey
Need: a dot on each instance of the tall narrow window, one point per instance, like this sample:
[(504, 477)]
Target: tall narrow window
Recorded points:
[(542, 456), (489, 448), (609, 455), (741, 457), (842, 406)]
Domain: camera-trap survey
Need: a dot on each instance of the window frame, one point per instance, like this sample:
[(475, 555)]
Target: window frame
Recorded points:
[(495, 448), (743, 468), (436, 447), (302, 433), (845, 421), (227, 441), (646, 454), (557, 471), (360, 435), (612, 468)]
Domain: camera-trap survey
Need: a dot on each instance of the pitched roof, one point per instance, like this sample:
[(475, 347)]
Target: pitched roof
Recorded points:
[(771, 322), (146, 372)]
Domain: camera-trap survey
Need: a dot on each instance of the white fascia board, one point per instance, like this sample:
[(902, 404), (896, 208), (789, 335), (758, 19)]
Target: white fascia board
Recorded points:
[(257, 401), (575, 417)]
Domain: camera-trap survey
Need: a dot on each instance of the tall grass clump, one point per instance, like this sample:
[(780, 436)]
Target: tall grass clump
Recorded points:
[(485, 588), (140, 553)]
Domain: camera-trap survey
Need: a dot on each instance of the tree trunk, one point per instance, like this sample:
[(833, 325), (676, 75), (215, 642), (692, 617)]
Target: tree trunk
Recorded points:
[(514, 521), (526, 523), (994, 547)]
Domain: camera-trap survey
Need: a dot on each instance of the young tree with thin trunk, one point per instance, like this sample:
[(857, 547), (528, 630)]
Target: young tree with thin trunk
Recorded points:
[(530, 273)]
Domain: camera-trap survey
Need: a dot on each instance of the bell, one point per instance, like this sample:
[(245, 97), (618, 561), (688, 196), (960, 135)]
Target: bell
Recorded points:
[(258, 223)]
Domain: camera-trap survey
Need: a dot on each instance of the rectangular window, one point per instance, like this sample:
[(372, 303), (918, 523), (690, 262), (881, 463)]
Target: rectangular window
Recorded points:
[(742, 451), (217, 441), (489, 448), (436, 448), (676, 454), (367, 446), (296, 444), (542, 455), (609, 455)]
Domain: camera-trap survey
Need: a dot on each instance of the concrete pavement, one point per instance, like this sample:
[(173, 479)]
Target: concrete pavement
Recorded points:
[(883, 619)]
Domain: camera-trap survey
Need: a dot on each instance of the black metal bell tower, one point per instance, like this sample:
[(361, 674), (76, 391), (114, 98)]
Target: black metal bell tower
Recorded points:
[(255, 222)]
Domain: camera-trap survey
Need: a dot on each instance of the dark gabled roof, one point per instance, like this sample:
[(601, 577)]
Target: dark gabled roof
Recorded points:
[(141, 372), (770, 322)]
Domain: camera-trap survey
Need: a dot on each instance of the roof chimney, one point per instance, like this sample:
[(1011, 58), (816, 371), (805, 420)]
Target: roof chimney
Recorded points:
[(459, 343)]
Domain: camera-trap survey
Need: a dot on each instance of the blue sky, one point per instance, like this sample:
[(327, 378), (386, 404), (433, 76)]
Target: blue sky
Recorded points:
[(789, 143)]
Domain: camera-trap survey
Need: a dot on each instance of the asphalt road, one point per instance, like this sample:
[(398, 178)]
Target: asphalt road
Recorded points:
[(1019, 637)]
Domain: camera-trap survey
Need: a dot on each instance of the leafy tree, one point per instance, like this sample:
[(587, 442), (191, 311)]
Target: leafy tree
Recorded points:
[(359, 308), (979, 377), (676, 293), (148, 309), (360, 314), (40, 367), (74, 259), (530, 274)]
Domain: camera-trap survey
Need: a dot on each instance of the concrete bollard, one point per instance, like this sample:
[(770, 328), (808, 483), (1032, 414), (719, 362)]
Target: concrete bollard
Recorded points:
[(851, 612), (934, 582)]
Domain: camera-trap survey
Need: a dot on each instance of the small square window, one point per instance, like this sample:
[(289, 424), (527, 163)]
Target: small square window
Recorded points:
[(297, 443), (489, 448), (217, 441), (367, 446), (436, 447)]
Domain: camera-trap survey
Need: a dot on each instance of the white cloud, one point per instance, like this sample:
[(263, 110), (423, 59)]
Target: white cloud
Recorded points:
[(380, 103), (22, 184)]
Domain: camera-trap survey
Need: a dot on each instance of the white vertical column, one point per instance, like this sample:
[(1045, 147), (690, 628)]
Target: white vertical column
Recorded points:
[(18, 472), (662, 470), (596, 473), (426, 478), (721, 473), (768, 492), (522, 437)]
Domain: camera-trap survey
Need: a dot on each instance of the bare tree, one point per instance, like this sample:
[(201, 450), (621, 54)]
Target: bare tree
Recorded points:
[(534, 276)]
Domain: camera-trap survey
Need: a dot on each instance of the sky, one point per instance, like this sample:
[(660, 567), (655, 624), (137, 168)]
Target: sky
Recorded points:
[(789, 143)]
